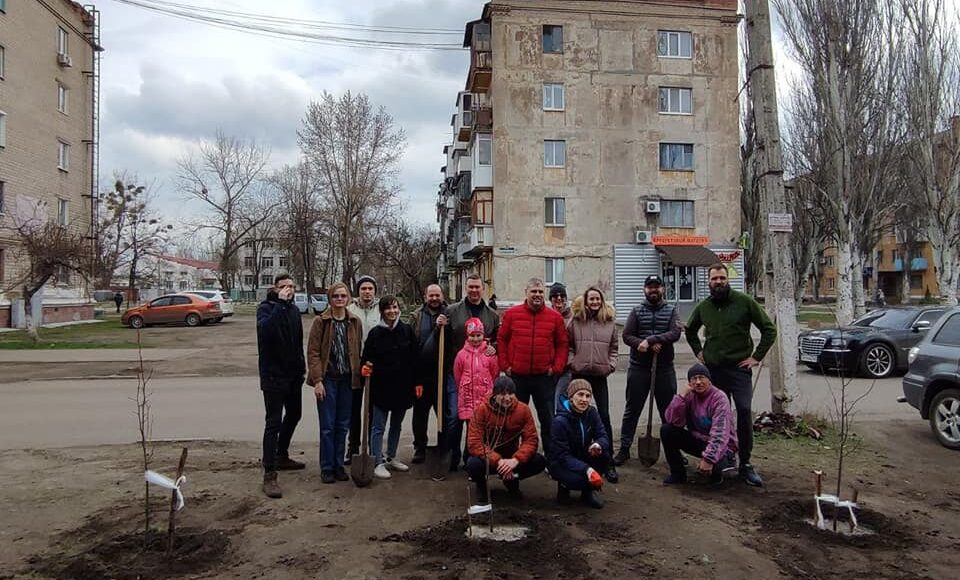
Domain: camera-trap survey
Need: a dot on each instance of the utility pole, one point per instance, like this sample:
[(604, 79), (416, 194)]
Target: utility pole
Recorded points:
[(775, 214)]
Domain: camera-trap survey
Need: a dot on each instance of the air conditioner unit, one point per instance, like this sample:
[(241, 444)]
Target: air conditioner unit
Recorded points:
[(653, 207), (644, 236), (64, 60)]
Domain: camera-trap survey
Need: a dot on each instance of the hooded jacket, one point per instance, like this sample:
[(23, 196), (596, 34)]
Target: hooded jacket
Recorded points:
[(571, 434), (497, 433), (474, 373), (532, 342), (391, 350), (318, 347), (594, 345), (369, 316), (279, 343)]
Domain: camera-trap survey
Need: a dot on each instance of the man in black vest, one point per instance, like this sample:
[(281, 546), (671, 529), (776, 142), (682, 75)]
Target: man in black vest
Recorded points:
[(651, 328)]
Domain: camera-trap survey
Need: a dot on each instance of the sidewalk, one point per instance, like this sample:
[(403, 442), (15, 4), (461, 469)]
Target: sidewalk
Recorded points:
[(82, 355)]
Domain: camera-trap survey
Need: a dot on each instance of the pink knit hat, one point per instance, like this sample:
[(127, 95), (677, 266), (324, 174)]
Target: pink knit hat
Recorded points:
[(474, 326)]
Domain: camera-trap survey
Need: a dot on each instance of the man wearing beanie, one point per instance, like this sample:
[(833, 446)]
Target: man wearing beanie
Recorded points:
[(578, 446), (502, 440), (364, 307), (558, 301), (699, 422), (728, 352)]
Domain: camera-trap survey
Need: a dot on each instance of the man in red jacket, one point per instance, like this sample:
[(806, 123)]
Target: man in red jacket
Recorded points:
[(532, 348)]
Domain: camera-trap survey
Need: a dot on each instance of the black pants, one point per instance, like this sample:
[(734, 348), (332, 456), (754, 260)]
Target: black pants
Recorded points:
[(477, 467), (283, 409), (421, 415), (601, 394), (578, 480), (118, 307), (676, 439), (541, 389), (353, 441), (638, 388), (738, 385)]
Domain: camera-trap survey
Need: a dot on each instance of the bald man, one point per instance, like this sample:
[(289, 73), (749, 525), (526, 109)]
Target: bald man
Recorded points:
[(428, 322)]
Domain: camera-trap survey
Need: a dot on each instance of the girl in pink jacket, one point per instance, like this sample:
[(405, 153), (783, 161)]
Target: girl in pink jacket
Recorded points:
[(474, 371)]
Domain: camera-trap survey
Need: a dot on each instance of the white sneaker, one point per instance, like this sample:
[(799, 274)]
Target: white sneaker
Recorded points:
[(397, 465), (380, 471)]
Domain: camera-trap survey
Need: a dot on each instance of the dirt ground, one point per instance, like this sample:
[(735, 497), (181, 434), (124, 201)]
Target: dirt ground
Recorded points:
[(77, 513)]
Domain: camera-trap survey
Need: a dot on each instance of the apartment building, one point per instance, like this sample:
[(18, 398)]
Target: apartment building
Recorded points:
[(49, 85), (595, 143), (259, 264)]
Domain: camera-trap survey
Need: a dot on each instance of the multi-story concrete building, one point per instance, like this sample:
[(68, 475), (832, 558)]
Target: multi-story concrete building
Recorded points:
[(49, 85), (595, 143)]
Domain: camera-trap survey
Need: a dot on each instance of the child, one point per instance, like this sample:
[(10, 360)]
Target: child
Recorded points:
[(474, 372)]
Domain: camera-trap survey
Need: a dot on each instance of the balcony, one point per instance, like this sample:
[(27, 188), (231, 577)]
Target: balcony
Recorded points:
[(916, 265), (481, 58), (463, 186), (463, 119), (483, 119), (479, 241)]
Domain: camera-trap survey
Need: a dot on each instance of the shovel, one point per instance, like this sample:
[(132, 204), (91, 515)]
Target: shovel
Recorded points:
[(361, 464), (648, 446), (438, 456)]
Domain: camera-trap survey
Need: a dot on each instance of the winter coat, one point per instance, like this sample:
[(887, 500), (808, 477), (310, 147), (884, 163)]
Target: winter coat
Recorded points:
[(727, 330), (709, 418), (532, 342), (459, 313), (497, 433), (279, 343), (319, 343), (429, 344), (657, 324), (369, 316), (571, 434), (594, 345), (393, 379), (474, 373)]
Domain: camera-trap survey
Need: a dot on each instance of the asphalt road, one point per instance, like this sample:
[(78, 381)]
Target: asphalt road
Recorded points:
[(63, 413)]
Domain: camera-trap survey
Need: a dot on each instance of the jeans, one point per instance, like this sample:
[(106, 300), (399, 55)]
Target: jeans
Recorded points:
[(452, 426), (283, 411), (334, 413), (353, 441), (737, 384), (638, 387), (676, 439), (578, 480), (560, 392), (376, 435), (477, 467), (542, 388), (601, 396)]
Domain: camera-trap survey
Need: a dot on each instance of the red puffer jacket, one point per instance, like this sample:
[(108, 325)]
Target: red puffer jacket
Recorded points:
[(532, 342)]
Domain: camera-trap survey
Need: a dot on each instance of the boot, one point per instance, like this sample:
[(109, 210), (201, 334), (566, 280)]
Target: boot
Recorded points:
[(513, 487), (419, 455), (612, 475), (563, 495), (284, 463), (482, 497), (591, 498), (271, 488), (621, 457)]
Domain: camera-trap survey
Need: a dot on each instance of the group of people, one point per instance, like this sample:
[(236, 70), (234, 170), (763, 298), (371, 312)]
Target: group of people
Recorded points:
[(486, 370)]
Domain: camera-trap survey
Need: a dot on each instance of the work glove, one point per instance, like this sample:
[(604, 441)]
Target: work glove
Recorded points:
[(367, 370), (595, 479), (418, 390)]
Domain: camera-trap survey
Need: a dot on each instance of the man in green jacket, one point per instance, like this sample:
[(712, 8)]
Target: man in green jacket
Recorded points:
[(729, 353)]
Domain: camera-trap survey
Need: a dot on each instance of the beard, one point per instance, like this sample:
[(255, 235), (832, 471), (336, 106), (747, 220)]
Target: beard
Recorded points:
[(654, 298), (719, 293)]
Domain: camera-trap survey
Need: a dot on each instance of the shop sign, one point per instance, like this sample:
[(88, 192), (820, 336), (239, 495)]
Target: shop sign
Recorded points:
[(680, 240)]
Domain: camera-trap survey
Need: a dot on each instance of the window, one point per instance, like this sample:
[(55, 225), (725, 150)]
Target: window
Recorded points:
[(62, 274), (931, 316), (249, 280), (949, 333), (3, 5), (183, 284), (484, 150), (62, 93), (676, 214), (555, 212), (63, 156), (2, 256), (680, 283), (879, 257), (266, 262), (552, 38), (828, 261), (894, 255), (831, 283), (916, 281), (249, 262), (554, 153), (2, 58), (3, 129), (282, 261), (676, 100), (676, 157), (63, 212), (483, 212), (168, 286), (553, 97), (180, 300), (671, 43), (62, 41), (164, 301), (2, 185), (554, 271), (266, 280)]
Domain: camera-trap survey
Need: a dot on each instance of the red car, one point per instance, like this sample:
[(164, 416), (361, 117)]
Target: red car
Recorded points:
[(187, 308)]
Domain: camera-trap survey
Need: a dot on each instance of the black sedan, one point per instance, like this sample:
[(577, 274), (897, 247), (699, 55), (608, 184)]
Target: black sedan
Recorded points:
[(875, 345)]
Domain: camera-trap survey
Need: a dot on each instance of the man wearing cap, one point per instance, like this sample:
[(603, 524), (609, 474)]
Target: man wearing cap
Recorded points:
[(502, 440), (578, 446), (558, 301), (651, 329), (726, 317), (699, 421), (364, 307)]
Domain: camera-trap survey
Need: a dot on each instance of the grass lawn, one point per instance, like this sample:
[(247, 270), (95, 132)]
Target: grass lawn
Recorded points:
[(824, 317), (106, 334)]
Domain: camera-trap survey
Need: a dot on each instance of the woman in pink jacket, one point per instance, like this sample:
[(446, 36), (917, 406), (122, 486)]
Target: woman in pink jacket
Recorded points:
[(474, 372)]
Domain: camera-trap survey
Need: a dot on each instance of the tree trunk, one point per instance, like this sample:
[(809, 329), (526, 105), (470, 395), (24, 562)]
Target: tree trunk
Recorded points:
[(31, 324), (844, 308), (856, 283)]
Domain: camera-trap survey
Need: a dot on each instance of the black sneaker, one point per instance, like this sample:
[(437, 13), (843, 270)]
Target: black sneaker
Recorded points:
[(611, 475), (750, 475), (419, 455), (482, 498), (327, 477), (591, 498), (563, 495), (621, 457), (673, 479), (341, 474), (284, 463), (513, 488)]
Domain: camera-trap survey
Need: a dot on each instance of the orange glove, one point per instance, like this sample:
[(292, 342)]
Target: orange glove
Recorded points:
[(595, 479), (418, 390), (367, 370)]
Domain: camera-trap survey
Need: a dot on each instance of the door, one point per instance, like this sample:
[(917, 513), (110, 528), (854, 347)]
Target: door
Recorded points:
[(680, 283), (180, 306), (159, 311)]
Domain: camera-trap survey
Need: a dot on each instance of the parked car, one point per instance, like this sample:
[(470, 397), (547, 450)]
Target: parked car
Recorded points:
[(302, 301), (875, 345), (187, 308), (932, 384), (226, 305), (318, 302)]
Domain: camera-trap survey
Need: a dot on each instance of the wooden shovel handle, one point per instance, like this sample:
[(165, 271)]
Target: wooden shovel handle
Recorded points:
[(440, 382), (653, 387)]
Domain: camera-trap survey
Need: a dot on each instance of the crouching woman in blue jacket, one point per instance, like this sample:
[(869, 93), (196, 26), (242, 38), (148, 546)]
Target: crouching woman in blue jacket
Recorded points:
[(578, 446)]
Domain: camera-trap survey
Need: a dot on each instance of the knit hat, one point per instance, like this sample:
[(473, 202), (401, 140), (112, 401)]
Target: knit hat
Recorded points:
[(474, 326), (698, 369), (504, 385), (578, 385), (370, 279), (558, 289)]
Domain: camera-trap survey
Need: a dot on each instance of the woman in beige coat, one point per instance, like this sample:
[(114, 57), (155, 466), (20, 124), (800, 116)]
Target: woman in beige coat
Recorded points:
[(593, 353)]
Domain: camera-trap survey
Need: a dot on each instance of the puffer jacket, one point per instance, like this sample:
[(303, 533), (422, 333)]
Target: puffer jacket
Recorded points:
[(593, 344), (318, 347), (570, 435), (532, 342), (497, 433), (474, 373)]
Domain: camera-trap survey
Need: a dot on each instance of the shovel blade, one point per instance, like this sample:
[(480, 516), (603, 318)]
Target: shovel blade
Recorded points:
[(361, 469), (648, 450)]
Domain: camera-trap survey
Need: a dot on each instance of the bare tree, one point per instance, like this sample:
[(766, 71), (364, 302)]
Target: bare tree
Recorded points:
[(409, 256), (259, 219), (223, 175), (355, 151), (301, 220), (931, 81)]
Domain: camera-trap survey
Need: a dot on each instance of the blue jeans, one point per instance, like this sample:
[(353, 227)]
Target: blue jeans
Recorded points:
[(334, 413), (452, 425), (376, 435)]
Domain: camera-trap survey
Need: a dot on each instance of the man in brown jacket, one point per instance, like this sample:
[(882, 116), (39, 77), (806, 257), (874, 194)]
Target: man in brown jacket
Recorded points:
[(333, 370)]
